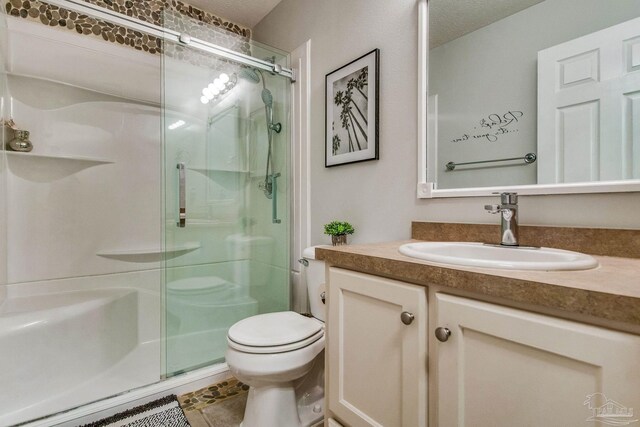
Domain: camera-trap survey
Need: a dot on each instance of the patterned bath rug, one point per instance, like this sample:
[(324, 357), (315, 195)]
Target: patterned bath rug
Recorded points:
[(164, 412)]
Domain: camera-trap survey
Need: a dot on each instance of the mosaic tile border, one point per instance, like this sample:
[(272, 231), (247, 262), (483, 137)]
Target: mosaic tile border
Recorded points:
[(167, 13), (199, 399)]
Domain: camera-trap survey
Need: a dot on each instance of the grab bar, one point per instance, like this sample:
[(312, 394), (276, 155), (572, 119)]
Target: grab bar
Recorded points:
[(274, 199), (528, 159), (182, 200)]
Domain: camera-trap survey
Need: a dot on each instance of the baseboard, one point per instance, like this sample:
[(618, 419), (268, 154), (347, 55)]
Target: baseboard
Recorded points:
[(177, 385)]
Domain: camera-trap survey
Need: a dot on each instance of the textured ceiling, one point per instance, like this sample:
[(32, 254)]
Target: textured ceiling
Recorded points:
[(242, 12), (450, 19)]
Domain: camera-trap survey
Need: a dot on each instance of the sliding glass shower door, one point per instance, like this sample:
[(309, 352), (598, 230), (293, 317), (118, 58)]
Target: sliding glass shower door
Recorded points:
[(226, 205)]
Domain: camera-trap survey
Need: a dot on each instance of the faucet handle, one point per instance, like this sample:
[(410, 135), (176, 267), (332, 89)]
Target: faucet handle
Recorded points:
[(507, 198), (492, 208)]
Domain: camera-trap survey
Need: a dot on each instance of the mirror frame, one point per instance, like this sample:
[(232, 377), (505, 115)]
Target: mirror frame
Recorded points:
[(427, 185)]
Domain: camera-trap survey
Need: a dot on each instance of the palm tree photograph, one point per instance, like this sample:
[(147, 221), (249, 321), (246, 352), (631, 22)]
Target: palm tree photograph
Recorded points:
[(352, 111)]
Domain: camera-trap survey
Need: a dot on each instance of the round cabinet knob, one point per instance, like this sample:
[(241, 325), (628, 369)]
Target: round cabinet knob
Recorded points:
[(407, 318), (443, 334)]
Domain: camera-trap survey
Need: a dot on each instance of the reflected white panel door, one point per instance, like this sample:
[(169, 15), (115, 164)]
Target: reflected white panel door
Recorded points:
[(507, 367), (376, 363), (589, 107)]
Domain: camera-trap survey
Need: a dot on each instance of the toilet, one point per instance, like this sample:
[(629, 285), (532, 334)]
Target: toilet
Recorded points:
[(281, 357)]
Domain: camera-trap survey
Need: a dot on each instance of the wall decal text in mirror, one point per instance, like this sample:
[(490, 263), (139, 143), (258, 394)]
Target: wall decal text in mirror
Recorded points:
[(491, 127)]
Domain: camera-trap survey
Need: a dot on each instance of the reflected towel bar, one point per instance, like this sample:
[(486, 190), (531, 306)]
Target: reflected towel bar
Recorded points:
[(528, 159)]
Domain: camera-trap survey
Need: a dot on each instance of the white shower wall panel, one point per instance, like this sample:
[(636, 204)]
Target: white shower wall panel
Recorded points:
[(92, 183), (59, 55), (58, 222)]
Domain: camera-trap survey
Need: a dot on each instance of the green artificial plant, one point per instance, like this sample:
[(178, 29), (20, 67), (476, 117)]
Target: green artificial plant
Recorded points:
[(338, 228)]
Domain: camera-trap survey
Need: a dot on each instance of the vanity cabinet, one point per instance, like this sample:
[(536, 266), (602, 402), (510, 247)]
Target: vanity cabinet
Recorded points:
[(508, 367), (488, 364), (376, 351)]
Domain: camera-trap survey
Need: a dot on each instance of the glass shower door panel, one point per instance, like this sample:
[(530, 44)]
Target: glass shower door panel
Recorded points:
[(198, 272), (268, 190), (221, 244)]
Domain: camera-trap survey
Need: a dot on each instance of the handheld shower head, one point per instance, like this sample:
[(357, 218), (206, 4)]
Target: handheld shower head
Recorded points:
[(267, 97)]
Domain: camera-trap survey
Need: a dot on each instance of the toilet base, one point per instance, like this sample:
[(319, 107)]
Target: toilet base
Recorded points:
[(285, 389), (271, 406)]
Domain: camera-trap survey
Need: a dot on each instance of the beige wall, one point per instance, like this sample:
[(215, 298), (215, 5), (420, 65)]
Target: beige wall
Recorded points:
[(379, 197)]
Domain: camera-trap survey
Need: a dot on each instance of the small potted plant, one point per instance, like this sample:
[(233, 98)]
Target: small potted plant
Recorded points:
[(338, 231)]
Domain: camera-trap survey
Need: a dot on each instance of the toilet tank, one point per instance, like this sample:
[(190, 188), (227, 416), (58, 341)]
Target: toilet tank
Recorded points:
[(315, 278)]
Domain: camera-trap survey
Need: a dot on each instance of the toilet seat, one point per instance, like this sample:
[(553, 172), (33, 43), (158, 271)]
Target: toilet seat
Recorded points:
[(274, 333), (278, 348)]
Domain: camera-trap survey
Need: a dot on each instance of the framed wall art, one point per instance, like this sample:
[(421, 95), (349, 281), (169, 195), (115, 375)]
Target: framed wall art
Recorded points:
[(351, 111)]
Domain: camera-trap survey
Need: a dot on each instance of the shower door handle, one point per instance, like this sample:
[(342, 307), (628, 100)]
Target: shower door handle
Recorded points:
[(182, 200), (274, 199)]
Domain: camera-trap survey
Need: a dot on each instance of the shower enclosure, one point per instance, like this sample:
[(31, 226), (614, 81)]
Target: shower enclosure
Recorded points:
[(152, 212)]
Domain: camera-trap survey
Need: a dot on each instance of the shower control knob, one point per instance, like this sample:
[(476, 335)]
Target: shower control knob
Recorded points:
[(407, 318), (443, 334)]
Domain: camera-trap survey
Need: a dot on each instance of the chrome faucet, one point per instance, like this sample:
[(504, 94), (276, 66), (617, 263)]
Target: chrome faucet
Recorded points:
[(508, 210)]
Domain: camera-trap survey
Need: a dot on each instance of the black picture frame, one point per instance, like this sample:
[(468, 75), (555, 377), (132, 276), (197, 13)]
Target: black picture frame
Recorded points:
[(352, 111)]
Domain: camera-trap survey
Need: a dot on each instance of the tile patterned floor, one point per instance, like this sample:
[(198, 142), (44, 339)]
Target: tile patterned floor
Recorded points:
[(219, 405)]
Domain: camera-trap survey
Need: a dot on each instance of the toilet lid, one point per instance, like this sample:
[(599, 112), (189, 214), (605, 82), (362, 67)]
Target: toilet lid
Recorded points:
[(274, 329)]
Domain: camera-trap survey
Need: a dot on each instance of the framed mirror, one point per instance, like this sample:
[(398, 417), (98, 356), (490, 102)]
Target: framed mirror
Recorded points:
[(533, 96)]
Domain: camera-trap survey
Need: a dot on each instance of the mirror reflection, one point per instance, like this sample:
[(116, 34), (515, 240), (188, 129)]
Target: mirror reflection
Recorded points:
[(528, 92)]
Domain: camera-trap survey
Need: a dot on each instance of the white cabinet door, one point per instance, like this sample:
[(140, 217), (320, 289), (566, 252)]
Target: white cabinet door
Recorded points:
[(589, 107), (376, 363), (507, 367)]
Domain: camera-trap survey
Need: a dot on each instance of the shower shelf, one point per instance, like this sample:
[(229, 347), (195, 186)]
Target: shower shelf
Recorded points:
[(150, 254), (46, 168), (42, 157)]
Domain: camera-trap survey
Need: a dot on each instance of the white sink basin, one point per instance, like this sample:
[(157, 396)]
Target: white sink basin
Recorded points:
[(489, 256)]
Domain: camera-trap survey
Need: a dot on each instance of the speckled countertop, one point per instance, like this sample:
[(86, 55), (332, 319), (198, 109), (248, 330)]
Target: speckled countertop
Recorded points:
[(610, 291)]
